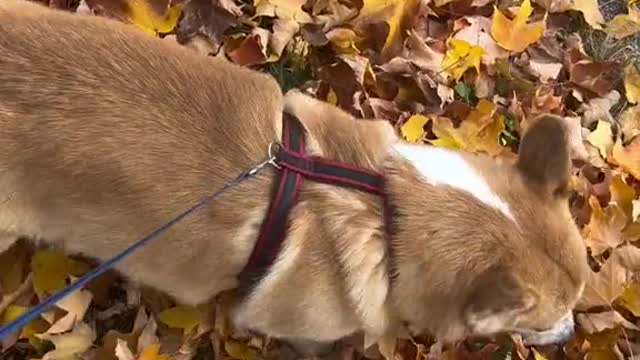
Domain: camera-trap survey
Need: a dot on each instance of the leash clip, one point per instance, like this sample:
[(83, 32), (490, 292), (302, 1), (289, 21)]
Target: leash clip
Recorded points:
[(274, 147)]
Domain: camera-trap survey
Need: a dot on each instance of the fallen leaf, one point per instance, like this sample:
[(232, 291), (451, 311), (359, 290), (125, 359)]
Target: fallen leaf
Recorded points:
[(545, 70), (151, 16), (602, 138), (394, 13), (622, 194), (69, 345), (460, 57), (516, 35), (604, 230), (627, 156), (630, 123), (632, 83), (252, 50), (283, 9), (122, 351), (478, 132), (283, 31), (153, 353), (51, 270), (181, 317), (413, 129), (240, 351), (630, 298), (206, 18), (605, 286), (593, 323), (76, 305), (475, 30), (623, 25), (597, 109), (591, 12)]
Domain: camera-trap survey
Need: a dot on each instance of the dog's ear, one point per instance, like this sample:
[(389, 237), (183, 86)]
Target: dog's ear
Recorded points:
[(496, 299), (544, 154)]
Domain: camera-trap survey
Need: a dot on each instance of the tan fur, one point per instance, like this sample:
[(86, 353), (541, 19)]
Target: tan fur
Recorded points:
[(107, 133)]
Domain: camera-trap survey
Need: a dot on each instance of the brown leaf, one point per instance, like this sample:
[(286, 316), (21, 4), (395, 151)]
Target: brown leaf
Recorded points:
[(252, 49), (208, 18), (593, 323), (606, 285), (598, 77)]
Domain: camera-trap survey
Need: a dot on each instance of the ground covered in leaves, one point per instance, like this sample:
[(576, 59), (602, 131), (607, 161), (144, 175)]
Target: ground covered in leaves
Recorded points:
[(464, 74)]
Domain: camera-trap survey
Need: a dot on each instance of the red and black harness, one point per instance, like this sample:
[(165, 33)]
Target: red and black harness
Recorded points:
[(294, 166)]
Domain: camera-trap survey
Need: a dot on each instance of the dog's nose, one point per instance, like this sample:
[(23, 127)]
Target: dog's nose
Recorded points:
[(561, 332)]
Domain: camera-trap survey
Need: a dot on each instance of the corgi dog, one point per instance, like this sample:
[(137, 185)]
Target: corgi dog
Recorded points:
[(107, 133)]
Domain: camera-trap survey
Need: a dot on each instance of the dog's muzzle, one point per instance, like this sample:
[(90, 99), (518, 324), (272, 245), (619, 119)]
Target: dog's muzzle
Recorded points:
[(561, 332)]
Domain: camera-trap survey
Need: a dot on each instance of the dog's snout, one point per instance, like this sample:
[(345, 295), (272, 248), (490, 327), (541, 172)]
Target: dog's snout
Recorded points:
[(561, 332)]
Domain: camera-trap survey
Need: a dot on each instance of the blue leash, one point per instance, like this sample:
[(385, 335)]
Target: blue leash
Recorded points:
[(35, 311)]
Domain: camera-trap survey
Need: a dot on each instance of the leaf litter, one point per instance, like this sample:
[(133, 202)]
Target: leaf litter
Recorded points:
[(462, 74)]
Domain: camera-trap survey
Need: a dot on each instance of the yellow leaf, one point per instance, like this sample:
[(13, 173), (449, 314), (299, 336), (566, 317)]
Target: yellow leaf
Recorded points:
[(50, 272), (446, 142), (332, 97), (240, 351), (632, 83), (627, 156), (181, 317), (622, 194), (152, 352), (602, 138), (460, 57), (413, 128), (591, 12), (630, 298), (538, 356), (395, 13), (516, 35), (605, 227), (479, 131), (70, 345), (142, 15)]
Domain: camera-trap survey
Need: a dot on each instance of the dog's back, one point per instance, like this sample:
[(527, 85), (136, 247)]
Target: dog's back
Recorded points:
[(79, 95)]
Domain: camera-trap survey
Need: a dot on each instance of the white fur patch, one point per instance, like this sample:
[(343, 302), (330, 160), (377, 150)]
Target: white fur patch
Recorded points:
[(445, 167)]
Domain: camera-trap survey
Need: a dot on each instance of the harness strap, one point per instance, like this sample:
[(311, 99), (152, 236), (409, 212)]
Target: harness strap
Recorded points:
[(294, 166)]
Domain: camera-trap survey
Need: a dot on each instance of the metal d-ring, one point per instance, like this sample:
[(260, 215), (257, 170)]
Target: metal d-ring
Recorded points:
[(274, 147)]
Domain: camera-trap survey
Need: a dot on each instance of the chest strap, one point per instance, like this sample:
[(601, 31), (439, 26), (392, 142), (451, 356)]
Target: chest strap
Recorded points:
[(294, 167)]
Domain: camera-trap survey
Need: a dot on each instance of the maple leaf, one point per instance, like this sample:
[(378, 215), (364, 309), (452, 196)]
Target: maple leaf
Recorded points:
[(394, 13), (609, 283), (479, 131), (622, 194), (460, 57), (516, 35), (152, 352), (604, 230), (627, 156), (475, 30), (413, 128)]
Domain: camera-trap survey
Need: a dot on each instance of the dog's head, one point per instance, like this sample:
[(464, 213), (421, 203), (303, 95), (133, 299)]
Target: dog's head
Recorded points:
[(486, 246)]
